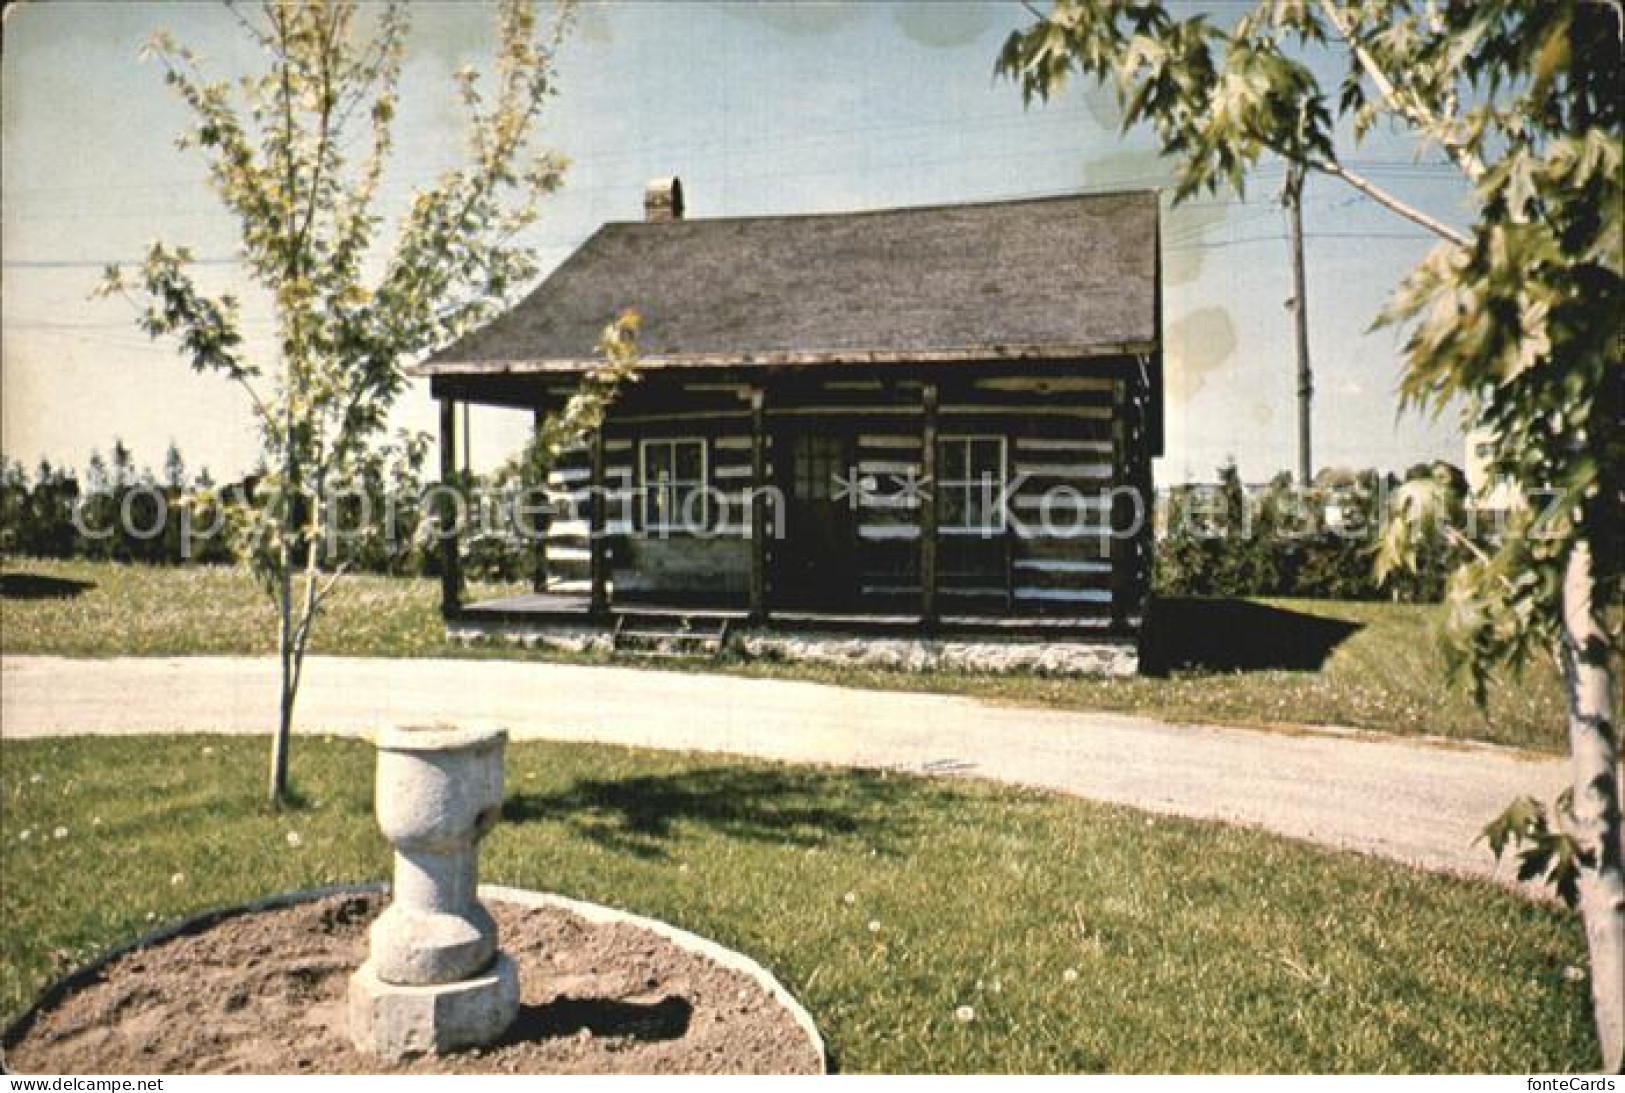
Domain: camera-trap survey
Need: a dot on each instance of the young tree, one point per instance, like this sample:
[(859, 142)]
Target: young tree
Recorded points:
[(94, 508), (13, 505), (1516, 318), (174, 468), (296, 153)]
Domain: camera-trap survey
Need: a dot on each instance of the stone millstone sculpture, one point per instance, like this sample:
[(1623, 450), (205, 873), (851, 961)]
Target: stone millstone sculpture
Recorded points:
[(434, 980)]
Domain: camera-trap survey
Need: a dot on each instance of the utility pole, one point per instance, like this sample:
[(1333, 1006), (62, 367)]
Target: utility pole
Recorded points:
[(1292, 199)]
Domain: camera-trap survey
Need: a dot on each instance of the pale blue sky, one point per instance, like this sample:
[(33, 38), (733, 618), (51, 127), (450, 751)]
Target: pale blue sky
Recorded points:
[(772, 108)]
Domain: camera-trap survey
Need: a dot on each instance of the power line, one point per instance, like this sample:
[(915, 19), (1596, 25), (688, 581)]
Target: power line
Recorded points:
[(1176, 242), (98, 263), (1263, 207), (1221, 244)]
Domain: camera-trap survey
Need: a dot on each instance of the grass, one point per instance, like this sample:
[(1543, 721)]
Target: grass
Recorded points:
[(1085, 937), (99, 609), (1377, 667)]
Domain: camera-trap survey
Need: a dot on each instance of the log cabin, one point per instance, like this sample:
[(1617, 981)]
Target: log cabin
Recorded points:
[(917, 436)]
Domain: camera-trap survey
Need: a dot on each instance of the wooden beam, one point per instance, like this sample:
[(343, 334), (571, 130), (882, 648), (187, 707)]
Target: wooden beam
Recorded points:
[(468, 453), (928, 506), (451, 574), (1120, 547), (539, 526), (758, 506), (596, 541)]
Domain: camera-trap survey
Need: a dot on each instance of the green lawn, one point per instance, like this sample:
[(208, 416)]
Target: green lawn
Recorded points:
[(1385, 674), (1085, 937)]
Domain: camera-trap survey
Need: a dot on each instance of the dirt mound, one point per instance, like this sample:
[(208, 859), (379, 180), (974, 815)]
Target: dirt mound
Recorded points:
[(263, 993)]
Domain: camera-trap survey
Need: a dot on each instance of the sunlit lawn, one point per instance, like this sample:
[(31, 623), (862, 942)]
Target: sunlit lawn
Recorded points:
[(1386, 674), (1083, 937)]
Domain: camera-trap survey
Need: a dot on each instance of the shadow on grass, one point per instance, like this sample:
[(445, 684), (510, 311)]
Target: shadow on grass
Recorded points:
[(1238, 636), (643, 814), (32, 586)]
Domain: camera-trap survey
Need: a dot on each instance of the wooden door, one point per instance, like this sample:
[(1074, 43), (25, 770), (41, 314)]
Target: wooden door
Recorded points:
[(816, 558)]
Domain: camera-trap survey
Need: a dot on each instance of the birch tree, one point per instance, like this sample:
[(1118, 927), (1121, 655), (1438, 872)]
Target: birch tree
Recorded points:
[(297, 154), (1516, 318)]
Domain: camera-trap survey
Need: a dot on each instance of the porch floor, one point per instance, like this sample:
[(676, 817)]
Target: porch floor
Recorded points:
[(569, 608), (578, 606)]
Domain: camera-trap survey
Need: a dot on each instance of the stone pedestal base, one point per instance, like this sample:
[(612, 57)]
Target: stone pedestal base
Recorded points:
[(395, 1021)]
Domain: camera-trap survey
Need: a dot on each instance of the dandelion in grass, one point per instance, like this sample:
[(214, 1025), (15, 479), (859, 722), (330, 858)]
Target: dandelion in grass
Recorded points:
[(874, 926), (24, 835), (35, 779), (850, 898), (965, 1015), (294, 840), (177, 879), (60, 833), (1069, 976)]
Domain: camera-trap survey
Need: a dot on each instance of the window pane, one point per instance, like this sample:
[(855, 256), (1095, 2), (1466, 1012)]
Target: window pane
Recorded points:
[(951, 454), (657, 461), (952, 503), (821, 467), (979, 509), (689, 460), (685, 506), (985, 458)]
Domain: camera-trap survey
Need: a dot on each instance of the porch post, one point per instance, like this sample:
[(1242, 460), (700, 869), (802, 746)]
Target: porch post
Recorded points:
[(538, 576), (451, 576), (1116, 547), (758, 506), (928, 507), (595, 530)]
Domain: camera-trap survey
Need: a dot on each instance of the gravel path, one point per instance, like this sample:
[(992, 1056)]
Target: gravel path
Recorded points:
[(1416, 802)]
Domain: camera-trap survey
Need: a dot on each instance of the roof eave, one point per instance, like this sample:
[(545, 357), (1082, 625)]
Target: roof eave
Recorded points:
[(778, 358)]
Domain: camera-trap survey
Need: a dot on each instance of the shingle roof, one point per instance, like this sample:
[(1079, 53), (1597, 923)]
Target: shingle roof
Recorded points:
[(1045, 277)]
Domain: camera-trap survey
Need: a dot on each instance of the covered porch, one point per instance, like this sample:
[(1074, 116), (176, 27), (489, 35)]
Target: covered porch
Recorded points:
[(892, 569), (540, 609), (650, 628)]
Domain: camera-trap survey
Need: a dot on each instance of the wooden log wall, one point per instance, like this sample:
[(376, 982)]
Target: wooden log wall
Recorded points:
[(645, 561), (1071, 435)]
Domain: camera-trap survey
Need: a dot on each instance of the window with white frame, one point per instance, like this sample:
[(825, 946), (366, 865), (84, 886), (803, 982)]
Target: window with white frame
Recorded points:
[(970, 484), (674, 484)]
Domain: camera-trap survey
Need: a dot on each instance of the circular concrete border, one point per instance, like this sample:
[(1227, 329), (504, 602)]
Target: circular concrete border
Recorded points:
[(734, 961), (592, 912)]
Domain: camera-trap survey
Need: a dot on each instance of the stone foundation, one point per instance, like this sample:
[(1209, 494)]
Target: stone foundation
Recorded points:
[(564, 639), (947, 654), (1045, 656)]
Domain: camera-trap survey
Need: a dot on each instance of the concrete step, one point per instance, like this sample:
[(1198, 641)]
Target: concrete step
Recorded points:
[(669, 635)]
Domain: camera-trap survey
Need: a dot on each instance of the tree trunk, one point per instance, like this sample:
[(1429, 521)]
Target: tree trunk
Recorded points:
[(284, 725), (284, 644), (1594, 819)]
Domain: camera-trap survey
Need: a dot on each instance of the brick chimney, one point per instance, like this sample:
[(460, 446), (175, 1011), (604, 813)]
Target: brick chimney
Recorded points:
[(663, 200)]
